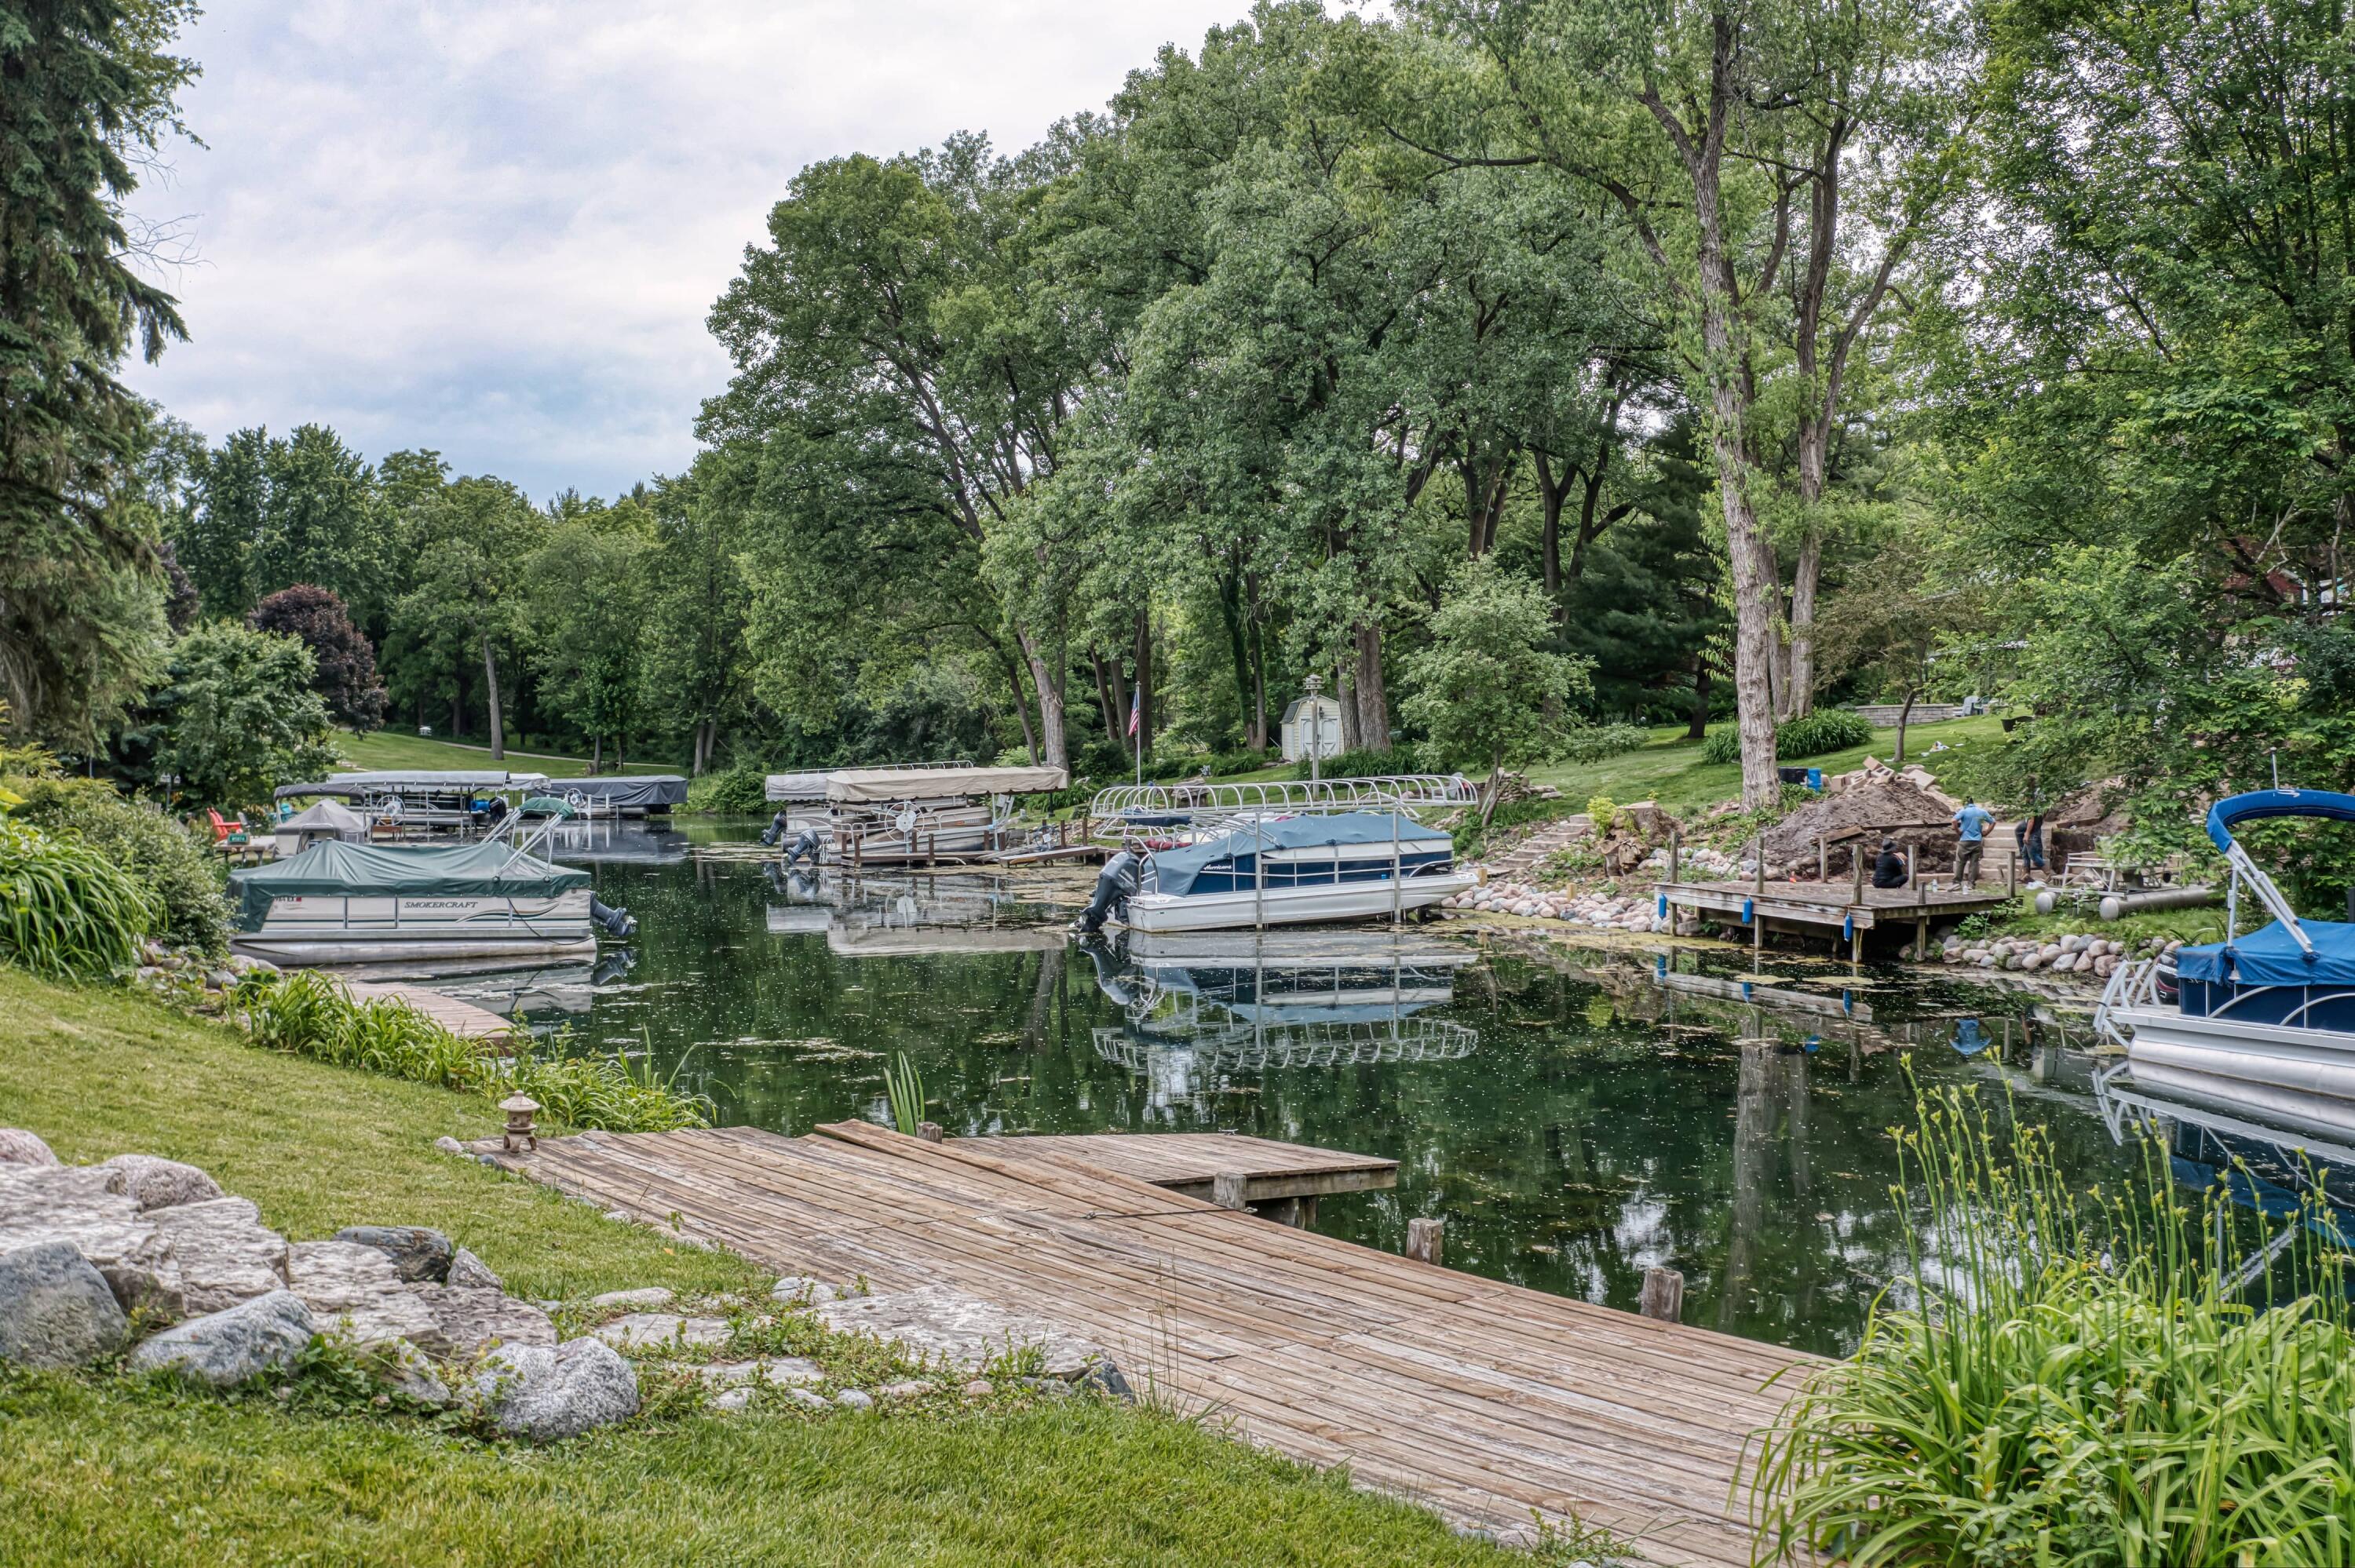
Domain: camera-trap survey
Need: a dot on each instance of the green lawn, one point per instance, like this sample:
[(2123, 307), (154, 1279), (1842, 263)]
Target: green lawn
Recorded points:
[(103, 1470), (385, 749), (1668, 770)]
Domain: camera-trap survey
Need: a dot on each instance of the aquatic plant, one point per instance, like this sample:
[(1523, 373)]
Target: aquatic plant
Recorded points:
[(906, 1088), (2075, 1378), (309, 1013), (65, 908)]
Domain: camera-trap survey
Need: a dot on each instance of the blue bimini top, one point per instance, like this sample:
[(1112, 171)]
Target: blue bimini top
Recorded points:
[(2271, 954), (1174, 870)]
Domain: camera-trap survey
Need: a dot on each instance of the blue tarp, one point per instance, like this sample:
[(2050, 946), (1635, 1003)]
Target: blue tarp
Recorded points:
[(2233, 809), (2270, 955), (1174, 870)]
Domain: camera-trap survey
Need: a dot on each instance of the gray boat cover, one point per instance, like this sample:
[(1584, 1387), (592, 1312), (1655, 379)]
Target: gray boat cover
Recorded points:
[(1174, 870), (338, 870), (626, 792), (413, 781), (882, 786), (326, 817)]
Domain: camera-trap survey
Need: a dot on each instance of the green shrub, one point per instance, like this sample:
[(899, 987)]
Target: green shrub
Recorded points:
[(66, 907), (308, 1013), (172, 863), (1601, 742), (1402, 758), (1815, 735), (1603, 812), (742, 791), (2070, 1380), (1227, 762)]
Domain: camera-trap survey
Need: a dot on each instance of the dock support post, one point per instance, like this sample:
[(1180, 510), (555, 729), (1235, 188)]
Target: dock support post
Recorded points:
[(1663, 1299), (1823, 859), (1856, 870), (1227, 1188), (1920, 940), (930, 1131), (1676, 855), (1856, 945), (1422, 1240), (1758, 853)]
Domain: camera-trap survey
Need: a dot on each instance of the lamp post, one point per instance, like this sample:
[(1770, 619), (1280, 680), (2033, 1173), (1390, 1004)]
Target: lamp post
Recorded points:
[(1315, 729)]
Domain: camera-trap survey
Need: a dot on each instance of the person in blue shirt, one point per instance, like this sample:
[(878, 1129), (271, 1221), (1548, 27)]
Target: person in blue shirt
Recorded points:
[(1970, 826)]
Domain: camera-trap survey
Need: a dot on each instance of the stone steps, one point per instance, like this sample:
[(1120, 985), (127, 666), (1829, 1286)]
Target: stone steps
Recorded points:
[(1526, 856)]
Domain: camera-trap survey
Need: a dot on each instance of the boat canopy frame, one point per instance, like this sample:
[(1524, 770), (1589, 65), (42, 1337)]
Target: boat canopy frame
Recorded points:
[(1183, 801), (2257, 805)]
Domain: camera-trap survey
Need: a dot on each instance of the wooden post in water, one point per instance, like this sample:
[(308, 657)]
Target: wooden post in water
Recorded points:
[(1227, 1188), (1422, 1240), (1663, 1299), (1676, 855), (930, 1131), (1758, 861), (1823, 859), (1856, 870)]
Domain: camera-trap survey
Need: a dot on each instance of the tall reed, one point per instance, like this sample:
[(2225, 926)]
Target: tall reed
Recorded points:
[(306, 1013), (2070, 1380), (906, 1088)]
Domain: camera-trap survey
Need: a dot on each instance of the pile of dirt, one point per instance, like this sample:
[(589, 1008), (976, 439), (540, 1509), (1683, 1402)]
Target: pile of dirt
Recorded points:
[(1863, 811)]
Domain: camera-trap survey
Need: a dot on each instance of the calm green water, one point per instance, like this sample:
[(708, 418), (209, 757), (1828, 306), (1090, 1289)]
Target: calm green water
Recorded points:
[(1576, 1114)]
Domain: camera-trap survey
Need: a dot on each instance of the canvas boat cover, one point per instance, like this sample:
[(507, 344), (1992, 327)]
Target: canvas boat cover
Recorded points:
[(410, 780), (882, 786), (338, 870), (1174, 870), (627, 791), (326, 817), (2271, 956)]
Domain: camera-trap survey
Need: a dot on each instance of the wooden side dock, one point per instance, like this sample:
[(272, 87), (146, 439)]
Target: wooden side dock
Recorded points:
[(1838, 908), (1276, 1181), (1482, 1400), (463, 1019)]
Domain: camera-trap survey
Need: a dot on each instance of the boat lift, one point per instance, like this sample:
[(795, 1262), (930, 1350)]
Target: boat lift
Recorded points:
[(1163, 805)]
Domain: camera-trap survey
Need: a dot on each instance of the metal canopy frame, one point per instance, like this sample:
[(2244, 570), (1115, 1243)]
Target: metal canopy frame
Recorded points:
[(1285, 797)]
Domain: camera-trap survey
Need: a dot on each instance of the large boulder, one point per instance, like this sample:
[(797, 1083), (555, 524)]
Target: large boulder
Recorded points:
[(663, 1331), (356, 1291), (466, 1322), (963, 1330), (468, 1272), (547, 1394), (56, 1310), (422, 1255), (173, 1262), (155, 1183), (18, 1147), (227, 1348)]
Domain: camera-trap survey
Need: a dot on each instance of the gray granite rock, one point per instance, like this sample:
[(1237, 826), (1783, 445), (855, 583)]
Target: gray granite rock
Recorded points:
[(226, 1348), (175, 1262), (448, 1145), (468, 1272), (155, 1183), (412, 1374), (547, 1394), (732, 1399), (912, 1388), (18, 1147), (777, 1371), (802, 1290), (657, 1330), (980, 1388), (468, 1322), (962, 1332), (422, 1255), (651, 1298), (356, 1291), (853, 1399), (56, 1310), (809, 1399)]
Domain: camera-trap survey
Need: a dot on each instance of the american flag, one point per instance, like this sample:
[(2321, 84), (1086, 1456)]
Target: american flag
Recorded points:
[(1135, 694)]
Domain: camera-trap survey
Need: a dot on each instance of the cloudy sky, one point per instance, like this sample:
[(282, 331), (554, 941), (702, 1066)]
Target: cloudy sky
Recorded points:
[(494, 226)]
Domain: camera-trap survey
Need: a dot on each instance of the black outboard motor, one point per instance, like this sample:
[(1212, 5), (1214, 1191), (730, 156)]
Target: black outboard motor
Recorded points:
[(616, 922), (774, 832), (804, 845)]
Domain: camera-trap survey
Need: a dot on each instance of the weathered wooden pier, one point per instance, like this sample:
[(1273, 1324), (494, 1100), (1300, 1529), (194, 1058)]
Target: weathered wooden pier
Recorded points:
[(1490, 1403), (1849, 909)]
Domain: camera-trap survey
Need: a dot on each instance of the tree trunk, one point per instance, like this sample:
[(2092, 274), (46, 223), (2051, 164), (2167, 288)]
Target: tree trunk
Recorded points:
[(1809, 570), (1549, 499), (1056, 753), (1697, 727), (1145, 685), (596, 754), (1021, 701), (1904, 714), (1110, 697), (498, 721), (1257, 738), (1365, 683)]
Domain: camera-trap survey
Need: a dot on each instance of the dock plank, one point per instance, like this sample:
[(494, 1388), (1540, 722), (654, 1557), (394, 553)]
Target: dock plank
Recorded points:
[(1482, 1400), (1190, 1163)]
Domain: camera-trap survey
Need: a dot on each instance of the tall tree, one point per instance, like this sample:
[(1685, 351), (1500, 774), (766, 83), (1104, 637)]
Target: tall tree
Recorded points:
[(87, 89), (343, 660), (471, 543)]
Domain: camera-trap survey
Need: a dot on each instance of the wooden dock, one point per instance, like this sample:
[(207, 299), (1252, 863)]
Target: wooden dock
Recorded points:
[(463, 1019), (1838, 909), (1276, 1181), (1482, 1400)]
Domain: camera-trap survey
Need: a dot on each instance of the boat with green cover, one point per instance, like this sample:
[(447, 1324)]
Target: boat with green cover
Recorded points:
[(340, 903)]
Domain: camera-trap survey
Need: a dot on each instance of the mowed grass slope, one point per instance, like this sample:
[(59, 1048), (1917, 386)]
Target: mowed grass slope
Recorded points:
[(1668, 768), (385, 749), (103, 1470)]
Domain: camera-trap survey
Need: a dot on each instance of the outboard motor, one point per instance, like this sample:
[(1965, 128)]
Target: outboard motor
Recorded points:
[(775, 831), (616, 922)]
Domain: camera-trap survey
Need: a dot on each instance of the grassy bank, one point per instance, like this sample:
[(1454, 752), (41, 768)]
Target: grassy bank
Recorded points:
[(103, 1470), (389, 750)]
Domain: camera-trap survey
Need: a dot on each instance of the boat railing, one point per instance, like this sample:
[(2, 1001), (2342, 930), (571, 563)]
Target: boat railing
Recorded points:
[(2129, 986), (1284, 796), (1242, 1047)]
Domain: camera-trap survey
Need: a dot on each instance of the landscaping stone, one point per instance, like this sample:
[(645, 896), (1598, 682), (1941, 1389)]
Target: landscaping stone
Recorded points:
[(650, 1330), (852, 1399), (18, 1147), (56, 1310), (226, 1348), (412, 1374), (449, 1145), (356, 1291), (1105, 1378), (964, 1331), (732, 1399), (466, 1322), (549, 1395), (980, 1388), (174, 1262), (422, 1255), (808, 1399), (651, 1298), (801, 1289), (155, 1183), (777, 1371), (468, 1272), (912, 1388)]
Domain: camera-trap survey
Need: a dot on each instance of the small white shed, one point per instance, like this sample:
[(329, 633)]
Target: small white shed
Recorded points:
[(1312, 722)]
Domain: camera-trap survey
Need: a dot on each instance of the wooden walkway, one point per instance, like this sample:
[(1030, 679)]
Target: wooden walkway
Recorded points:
[(463, 1019), (1837, 908), (1191, 1163), (1482, 1400)]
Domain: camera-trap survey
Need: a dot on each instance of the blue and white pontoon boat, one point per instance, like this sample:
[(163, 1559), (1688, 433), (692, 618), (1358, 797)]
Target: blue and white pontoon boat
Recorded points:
[(2264, 1021)]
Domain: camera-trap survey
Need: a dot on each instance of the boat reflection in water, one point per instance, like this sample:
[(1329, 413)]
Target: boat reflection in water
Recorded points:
[(1195, 1005), (906, 917), (609, 840)]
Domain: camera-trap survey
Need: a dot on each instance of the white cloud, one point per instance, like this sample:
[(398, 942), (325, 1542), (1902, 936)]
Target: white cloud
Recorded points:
[(495, 228)]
